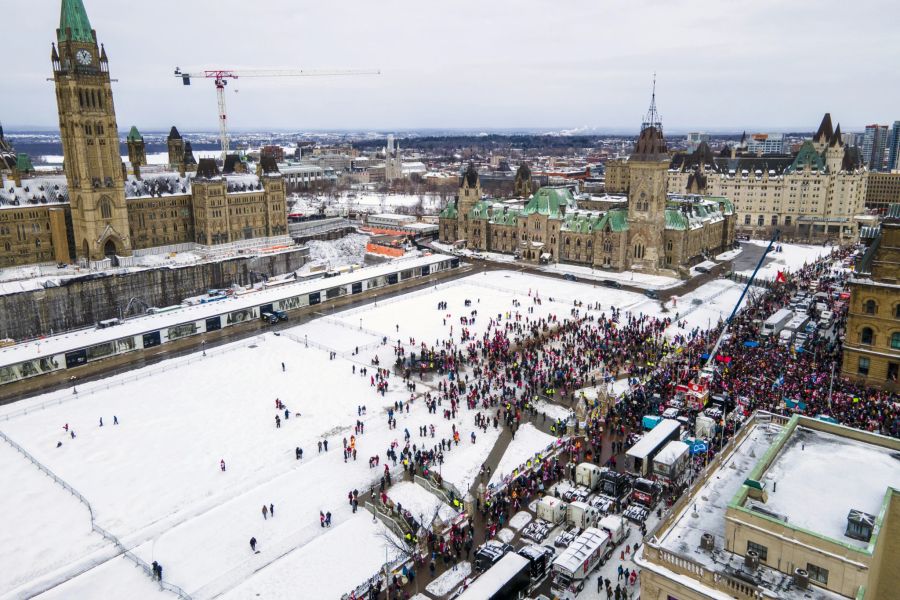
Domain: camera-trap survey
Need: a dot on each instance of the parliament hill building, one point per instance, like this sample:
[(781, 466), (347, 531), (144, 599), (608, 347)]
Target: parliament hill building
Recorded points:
[(99, 210), (650, 230)]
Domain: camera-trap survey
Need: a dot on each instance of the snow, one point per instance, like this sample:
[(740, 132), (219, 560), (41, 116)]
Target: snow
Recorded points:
[(154, 481), (58, 524), (421, 503), (633, 278), (352, 552), (520, 519), (115, 578), (348, 250), (529, 441), (792, 258), (449, 579), (553, 411), (840, 473)]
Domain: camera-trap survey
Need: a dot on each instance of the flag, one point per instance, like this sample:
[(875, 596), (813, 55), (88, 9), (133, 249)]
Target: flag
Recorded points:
[(780, 278)]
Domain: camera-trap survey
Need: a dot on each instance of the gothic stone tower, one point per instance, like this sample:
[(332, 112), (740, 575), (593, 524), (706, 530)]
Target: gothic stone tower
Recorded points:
[(137, 154), (90, 138), (648, 169), (469, 195), (175, 144)]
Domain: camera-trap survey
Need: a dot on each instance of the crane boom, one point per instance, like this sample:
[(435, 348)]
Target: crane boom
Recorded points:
[(220, 77)]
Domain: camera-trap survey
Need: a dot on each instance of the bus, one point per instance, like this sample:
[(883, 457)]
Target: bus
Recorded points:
[(639, 458), (508, 579)]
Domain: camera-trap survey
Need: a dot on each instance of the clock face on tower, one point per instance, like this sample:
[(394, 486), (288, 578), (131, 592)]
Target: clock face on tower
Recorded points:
[(83, 57)]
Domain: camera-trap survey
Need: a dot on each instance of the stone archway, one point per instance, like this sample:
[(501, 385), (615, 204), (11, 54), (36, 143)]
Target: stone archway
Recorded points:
[(109, 251)]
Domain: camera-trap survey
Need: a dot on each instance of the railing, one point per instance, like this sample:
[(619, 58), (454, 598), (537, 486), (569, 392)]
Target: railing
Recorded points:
[(94, 526)]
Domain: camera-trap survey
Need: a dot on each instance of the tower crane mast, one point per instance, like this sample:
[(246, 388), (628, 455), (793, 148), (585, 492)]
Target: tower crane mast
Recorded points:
[(220, 78)]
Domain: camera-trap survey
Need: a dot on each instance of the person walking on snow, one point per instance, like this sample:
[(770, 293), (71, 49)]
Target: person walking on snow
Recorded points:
[(265, 512), (253, 544), (272, 510), (222, 465)]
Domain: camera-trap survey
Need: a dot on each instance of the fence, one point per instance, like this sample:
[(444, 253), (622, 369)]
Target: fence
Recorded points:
[(94, 526), (189, 247)]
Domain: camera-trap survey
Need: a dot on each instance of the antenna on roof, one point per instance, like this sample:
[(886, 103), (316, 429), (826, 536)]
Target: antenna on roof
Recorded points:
[(652, 117)]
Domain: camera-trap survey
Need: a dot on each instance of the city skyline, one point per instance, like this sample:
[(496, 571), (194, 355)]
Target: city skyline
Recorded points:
[(502, 66)]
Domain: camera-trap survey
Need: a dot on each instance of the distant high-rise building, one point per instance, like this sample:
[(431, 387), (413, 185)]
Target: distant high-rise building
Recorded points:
[(767, 143), (850, 139), (894, 147), (874, 143), (695, 139)]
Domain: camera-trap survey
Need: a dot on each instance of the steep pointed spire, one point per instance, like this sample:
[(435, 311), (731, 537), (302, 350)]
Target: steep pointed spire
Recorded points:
[(74, 24), (836, 138), (54, 55), (651, 119), (173, 134), (134, 135), (826, 130), (103, 54)]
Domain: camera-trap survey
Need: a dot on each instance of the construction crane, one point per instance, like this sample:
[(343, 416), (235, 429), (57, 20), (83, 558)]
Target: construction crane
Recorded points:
[(221, 76)]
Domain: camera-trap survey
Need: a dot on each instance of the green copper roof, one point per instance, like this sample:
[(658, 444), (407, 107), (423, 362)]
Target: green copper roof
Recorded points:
[(550, 201), (73, 16), (23, 163), (807, 157), (583, 223), (504, 215), (675, 219), (616, 220), (134, 135), (481, 210), (449, 211)]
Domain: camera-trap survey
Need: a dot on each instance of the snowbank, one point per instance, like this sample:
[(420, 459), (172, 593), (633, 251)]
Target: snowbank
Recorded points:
[(529, 440)]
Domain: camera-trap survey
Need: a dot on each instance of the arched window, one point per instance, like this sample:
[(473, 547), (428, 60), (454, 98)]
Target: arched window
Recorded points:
[(787, 220), (895, 340), (105, 208), (774, 219), (870, 307), (760, 220), (866, 336), (607, 247), (746, 219)]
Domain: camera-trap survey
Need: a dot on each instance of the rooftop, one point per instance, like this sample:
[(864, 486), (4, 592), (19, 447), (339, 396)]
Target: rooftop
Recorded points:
[(841, 473), (704, 512)]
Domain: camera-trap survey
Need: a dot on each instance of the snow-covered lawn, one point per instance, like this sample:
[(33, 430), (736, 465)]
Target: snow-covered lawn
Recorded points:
[(529, 441), (422, 504), (791, 258), (635, 278), (327, 567), (42, 526), (116, 578), (449, 579)]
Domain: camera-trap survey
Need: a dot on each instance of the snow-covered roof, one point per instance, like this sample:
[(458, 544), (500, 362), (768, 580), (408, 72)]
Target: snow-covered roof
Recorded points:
[(157, 184), (35, 191), (841, 473), (671, 452)]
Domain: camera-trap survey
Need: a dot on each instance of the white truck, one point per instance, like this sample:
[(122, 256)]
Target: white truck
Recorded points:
[(777, 321), (574, 565), (617, 528), (552, 510), (704, 427), (582, 515), (588, 475), (670, 464)]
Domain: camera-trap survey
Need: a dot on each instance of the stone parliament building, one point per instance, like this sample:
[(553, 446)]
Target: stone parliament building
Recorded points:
[(98, 210), (650, 230)]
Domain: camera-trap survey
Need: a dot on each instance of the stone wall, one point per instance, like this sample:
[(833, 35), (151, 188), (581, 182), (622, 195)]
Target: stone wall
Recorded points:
[(85, 302)]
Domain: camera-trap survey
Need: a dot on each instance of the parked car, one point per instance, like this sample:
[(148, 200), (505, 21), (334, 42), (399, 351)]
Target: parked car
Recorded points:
[(701, 269), (652, 294), (569, 277), (612, 283)]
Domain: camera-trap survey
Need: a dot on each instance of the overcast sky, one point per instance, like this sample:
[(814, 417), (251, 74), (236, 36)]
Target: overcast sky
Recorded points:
[(721, 65)]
